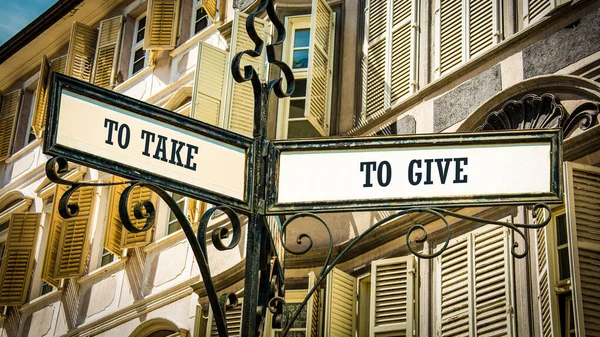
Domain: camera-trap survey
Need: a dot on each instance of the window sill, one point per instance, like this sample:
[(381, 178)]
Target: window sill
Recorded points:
[(103, 270), (165, 241), (194, 40), (40, 301), (133, 79), (24, 150)]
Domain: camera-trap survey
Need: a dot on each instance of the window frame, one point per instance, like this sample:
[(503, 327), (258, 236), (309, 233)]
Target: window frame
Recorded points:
[(135, 46), (197, 4), (183, 208)]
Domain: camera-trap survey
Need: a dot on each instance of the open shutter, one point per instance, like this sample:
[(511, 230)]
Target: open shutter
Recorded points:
[(39, 113), (58, 65), (233, 317), (583, 205), (82, 47), (161, 24), (107, 52), (129, 239), (450, 35), (483, 25), (17, 264), (9, 111), (547, 300), (377, 91), (210, 7), (312, 308), (536, 9), (454, 290), (241, 105), (492, 283), (320, 62), (53, 243), (71, 259), (403, 49), (209, 84), (392, 297), (340, 317), (113, 233)]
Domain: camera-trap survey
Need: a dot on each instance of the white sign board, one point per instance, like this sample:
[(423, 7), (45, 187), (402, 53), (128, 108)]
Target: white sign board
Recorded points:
[(112, 135), (344, 174)]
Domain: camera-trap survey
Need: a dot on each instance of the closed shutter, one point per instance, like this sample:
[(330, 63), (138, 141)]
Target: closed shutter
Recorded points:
[(71, 259), (392, 297), (210, 7), (9, 111), (17, 264), (312, 308), (53, 243), (161, 24), (241, 95), (450, 34), (404, 46), (340, 306), (113, 234), (536, 9), (320, 61), (129, 239), (377, 92), (107, 53), (209, 84), (483, 25), (545, 282), (82, 48), (583, 207), (39, 111), (233, 318)]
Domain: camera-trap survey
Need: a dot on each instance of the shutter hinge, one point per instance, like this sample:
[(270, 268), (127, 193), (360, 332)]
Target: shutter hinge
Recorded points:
[(497, 33), (510, 311), (414, 25), (412, 271)]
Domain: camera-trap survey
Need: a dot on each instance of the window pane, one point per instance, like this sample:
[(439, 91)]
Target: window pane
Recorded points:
[(200, 25), (301, 129), (297, 108), (561, 230), (300, 58), (46, 288), (301, 38), (1, 252), (173, 227), (300, 88), (138, 60), (563, 264), (141, 29), (107, 257)]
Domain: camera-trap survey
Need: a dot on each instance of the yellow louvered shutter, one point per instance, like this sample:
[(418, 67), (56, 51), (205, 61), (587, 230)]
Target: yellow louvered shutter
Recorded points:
[(312, 308), (58, 65), (71, 259), (536, 9), (320, 62), (483, 30), (340, 319), (450, 34), (582, 190), (377, 92), (392, 297), (107, 52), (9, 111), (403, 49), (39, 113), (210, 6), (82, 48), (547, 300), (113, 234), (233, 319), (241, 96), (17, 262), (53, 243), (161, 24), (129, 239), (209, 84)]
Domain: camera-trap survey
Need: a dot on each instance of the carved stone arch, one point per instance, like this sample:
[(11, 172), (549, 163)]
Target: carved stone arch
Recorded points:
[(13, 201), (157, 327), (537, 103)]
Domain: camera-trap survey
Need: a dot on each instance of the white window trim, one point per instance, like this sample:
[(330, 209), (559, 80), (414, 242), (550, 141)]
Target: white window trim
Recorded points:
[(197, 5), (291, 24), (186, 201), (137, 46)]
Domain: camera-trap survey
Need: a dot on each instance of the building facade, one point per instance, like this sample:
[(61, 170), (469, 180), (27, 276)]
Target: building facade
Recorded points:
[(362, 68)]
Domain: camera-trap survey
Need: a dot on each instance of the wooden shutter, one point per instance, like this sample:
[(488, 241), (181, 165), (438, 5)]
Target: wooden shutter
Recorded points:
[(39, 113), (17, 263), (9, 111), (582, 189), (241, 95), (377, 92), (536, 9), (403, 49), (392, 297), (210, 7), (340, 317), (547, 300), (129, 239), (233, 318), (107, 52), (161, 24), (209, 84), (82, 48), (312, 308), (71, 259), (53, 243), (58, 65), (450, 34), (320, 61), (483, 25), (113, 234)]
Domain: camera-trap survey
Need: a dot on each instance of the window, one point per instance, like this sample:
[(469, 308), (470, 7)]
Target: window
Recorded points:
[(46, 288), (138, 54), (309, 51), (172, 224), (562, 248), (464, 29), (299, 327), (106, 258), (200, 19)]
